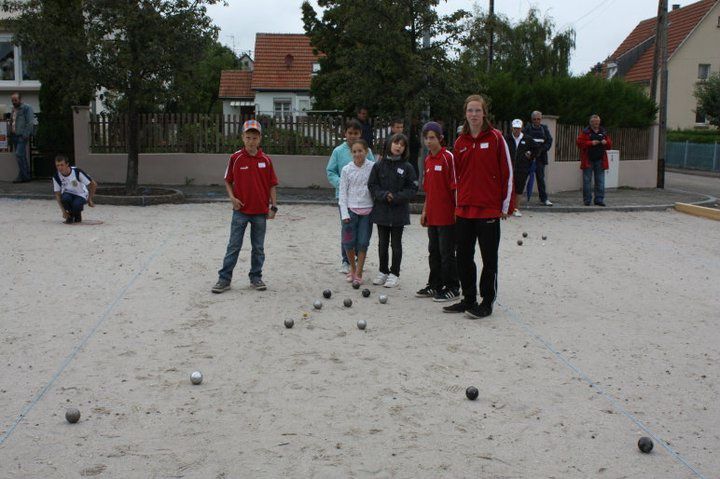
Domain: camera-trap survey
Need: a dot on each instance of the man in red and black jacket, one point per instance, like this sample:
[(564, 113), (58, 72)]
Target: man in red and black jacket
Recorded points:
[(484, 196), (593, 143)]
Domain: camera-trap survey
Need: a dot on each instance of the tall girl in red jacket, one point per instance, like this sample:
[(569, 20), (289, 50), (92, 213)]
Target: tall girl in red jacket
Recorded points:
[(484, 196)]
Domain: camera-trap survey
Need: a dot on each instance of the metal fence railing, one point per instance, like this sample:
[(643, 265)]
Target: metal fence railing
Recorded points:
[(633, 143), (696, 156)]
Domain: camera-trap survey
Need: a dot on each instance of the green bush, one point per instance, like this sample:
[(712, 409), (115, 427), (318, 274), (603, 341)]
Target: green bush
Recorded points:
[(573, 99), (694, 136)]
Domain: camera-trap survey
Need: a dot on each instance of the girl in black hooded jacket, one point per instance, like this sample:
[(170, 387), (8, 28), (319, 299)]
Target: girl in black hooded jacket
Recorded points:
[(392, 184)]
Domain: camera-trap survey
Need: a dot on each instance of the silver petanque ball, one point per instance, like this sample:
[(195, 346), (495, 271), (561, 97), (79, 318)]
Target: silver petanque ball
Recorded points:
[(72, 415), (317, 304), (362, 324), (196, 377), (382, 298), (289, 323)]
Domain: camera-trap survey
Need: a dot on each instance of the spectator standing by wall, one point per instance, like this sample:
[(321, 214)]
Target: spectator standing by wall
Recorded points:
[(593, 143), (540, 134)]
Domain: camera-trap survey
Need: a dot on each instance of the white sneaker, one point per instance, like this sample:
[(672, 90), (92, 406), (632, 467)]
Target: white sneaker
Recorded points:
[(392, 281), (345, 268), (517, 213), (380, 279), (548, 203)]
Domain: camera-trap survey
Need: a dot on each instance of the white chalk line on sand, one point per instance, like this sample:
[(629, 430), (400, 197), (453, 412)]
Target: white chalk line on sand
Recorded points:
[(547, 345), (26, 410)]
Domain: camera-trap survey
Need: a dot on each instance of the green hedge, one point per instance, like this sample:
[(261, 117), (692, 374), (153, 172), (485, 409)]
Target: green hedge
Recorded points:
[(573, 99), (694, 136)]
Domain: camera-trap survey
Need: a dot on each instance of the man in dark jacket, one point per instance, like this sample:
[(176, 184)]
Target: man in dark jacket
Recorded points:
[(522, 152), (540, 134), (23, 123), (367, 130)]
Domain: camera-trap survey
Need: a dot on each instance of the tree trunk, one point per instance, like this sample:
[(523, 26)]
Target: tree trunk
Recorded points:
[(133, 148)]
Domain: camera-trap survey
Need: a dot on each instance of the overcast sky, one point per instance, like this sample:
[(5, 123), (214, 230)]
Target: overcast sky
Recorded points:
[(600, 25)]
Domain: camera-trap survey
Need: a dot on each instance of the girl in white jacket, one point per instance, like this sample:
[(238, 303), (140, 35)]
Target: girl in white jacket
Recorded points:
[(355, 207)]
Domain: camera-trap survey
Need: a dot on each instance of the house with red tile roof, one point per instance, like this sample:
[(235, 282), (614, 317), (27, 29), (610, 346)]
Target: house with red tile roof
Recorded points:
[(693, 54), (279, 83)]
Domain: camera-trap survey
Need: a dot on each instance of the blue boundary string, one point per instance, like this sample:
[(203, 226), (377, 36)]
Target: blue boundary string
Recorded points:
[(599, 390), (26, 410)]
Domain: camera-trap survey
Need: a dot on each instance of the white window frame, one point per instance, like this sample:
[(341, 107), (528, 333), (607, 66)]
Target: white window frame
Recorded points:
[(18, 81), (283, 111)]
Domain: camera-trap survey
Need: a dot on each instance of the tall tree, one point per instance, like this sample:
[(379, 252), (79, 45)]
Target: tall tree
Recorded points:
[(52, 36), (138, 48), (530, 48), (373, 53), (196, 90), (707, 93)]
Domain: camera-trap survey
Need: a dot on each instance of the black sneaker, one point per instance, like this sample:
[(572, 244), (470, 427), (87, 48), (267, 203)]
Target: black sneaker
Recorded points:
[(599, 203), (258, 284), (426, 292), (78, 217), (481, 310), (221, 286), (446, 294), (459, 307)]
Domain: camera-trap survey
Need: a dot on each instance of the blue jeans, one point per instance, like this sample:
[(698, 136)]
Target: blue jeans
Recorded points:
[(21, 157), (72, 203), (258, 225), (356, 234), (595, 169), (343, 254), (540, 177)]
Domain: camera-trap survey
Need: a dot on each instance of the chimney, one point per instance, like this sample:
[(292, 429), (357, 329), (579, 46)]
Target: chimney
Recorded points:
[(675, 6)]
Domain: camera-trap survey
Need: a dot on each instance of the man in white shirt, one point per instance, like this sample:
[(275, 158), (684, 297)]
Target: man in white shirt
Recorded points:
[(73, 189)]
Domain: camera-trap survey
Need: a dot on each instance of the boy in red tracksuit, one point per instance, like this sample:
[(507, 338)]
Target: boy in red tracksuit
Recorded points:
[(438, 215), (484, 196)]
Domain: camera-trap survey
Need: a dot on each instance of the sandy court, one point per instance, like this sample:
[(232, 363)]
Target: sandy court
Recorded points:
[(629, 300)]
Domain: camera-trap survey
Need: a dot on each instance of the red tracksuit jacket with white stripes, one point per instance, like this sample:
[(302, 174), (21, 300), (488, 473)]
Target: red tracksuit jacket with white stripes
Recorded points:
[(484, 175)]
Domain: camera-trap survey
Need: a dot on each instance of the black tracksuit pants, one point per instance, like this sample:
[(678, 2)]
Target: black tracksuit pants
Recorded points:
[(485, 232), (443, 264)]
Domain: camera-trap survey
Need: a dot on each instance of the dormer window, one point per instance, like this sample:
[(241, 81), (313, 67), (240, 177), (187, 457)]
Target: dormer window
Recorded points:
[(611, 70)]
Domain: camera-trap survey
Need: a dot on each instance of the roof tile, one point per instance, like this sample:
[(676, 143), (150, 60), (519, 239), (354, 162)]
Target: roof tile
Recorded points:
[(236, 84), (681, 23), (283, 61)]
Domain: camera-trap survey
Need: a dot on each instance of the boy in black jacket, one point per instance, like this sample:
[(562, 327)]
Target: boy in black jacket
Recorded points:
[(392, 184)]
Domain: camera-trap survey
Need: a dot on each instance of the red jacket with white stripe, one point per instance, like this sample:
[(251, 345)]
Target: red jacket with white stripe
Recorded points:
[(484, 174), (438, 183)]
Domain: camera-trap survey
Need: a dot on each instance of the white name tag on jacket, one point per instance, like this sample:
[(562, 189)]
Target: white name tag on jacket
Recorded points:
[(484, 146), (261, 165), (438, 167), (400, 171)]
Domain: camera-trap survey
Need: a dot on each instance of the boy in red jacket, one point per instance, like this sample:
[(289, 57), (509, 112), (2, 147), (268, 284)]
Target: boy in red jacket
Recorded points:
[(484, 196), (438, 215), (250, 182)]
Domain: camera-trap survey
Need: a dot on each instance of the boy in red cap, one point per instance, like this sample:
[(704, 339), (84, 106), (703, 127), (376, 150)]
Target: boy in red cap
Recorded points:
[(250, 182), (438, 215)]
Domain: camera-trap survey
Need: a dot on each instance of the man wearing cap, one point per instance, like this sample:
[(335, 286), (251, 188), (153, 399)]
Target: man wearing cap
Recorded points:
[(540, 134), (250, 182), (521, 153)]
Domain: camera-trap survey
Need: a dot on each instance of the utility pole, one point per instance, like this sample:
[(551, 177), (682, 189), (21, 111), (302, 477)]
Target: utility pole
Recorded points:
[(491, 30), (660, 67)]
